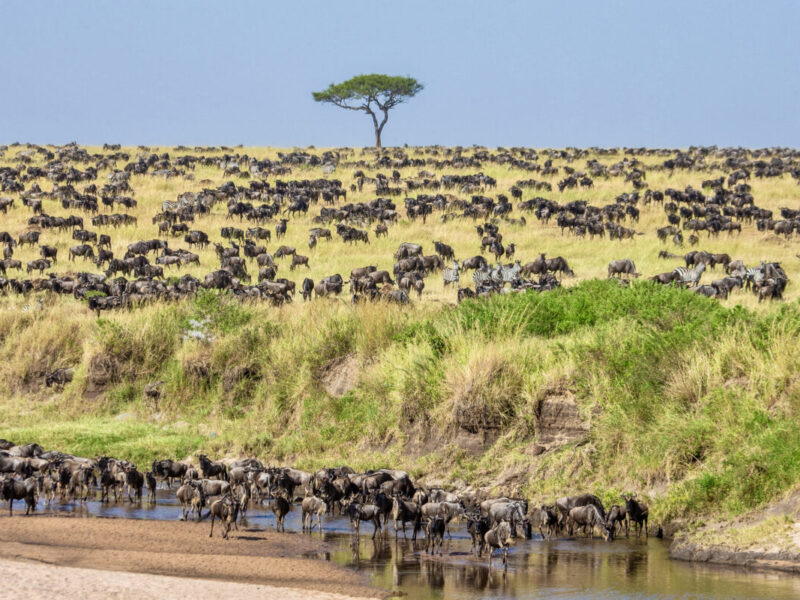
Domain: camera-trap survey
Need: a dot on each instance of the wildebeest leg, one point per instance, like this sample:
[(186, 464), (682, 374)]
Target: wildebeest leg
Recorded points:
[(11, 507), (377, 525), (212, 526)]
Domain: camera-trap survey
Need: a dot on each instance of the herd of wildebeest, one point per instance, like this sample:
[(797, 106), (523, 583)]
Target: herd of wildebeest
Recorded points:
[(93, 191), (225, 490)]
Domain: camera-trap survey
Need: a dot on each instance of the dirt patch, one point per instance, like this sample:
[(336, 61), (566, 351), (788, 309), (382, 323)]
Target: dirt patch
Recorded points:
[(559, 421), (103, 371), (340, 375), (178, 549)]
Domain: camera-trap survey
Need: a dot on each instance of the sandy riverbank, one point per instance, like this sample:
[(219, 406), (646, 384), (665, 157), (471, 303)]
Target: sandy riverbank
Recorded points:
[(181, 552), (48, 582)]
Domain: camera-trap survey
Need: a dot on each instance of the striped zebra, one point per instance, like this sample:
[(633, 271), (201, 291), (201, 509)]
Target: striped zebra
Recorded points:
[(508, 274), (481, 276), (753, 277), (451, 275), (690, 276)]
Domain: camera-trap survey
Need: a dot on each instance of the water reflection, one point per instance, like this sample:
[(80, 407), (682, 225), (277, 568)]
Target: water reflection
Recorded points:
[(568, 569), (578, 569)]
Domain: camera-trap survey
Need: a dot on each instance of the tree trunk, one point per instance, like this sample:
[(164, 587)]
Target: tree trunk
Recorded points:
[(378, 126)]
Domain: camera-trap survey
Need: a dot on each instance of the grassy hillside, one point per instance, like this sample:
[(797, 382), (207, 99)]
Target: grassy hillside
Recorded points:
[(692, 402)]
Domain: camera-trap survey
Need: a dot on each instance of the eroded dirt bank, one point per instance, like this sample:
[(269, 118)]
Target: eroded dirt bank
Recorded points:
[(175, 549)]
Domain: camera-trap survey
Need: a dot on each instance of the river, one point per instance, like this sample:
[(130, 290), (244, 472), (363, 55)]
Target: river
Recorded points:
[(561, 568)]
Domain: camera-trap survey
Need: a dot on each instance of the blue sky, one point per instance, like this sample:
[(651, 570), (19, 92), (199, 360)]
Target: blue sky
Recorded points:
[(634, 73)]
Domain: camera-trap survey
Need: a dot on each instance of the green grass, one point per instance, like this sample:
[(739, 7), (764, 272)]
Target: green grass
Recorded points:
[(91, 437), (691, 403)]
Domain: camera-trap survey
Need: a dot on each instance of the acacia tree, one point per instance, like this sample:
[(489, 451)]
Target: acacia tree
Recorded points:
[(371, 93)]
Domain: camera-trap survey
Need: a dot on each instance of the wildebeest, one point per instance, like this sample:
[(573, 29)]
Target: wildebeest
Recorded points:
[(307, 288), (622, 267), (297, 260), (151, 483), (407, 250), (192, 499), (212, 469), (547, 521), (588, 517), (225, 509), (364, 512), (135, 482), (434, 535), (14, 489), (280, 506), (559, 265), (405, 511), (617, 516), (285, 251), (567, 503), (49, 252), (477, 526), (169, 470), (30, 237), (476, 262), (40, 264), (443, 250), (637, 513), (84, 250), (665, 278), (59, 377), (310, 506), (499, 538)]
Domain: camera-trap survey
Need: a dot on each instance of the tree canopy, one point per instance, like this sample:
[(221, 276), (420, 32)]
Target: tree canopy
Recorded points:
[(371, 93)]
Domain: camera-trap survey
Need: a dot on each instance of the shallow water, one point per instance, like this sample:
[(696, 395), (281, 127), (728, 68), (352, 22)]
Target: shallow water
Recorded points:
[(562, 568)]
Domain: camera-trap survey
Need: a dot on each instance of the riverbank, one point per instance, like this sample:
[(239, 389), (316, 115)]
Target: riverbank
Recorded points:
[(768, 538), (48, 582), (170, 550)]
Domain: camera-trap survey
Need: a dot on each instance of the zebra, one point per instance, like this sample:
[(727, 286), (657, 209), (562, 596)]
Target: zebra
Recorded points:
[(690, 276), (481, 276), (753, 277), (451, 275), (508, 274)]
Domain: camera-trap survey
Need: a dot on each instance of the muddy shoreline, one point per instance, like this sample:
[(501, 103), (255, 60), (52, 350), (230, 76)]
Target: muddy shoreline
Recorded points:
[(787, 562), (178, 549)]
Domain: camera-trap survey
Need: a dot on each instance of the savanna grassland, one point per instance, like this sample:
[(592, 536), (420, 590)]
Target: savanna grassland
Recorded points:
[(690, 401)]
